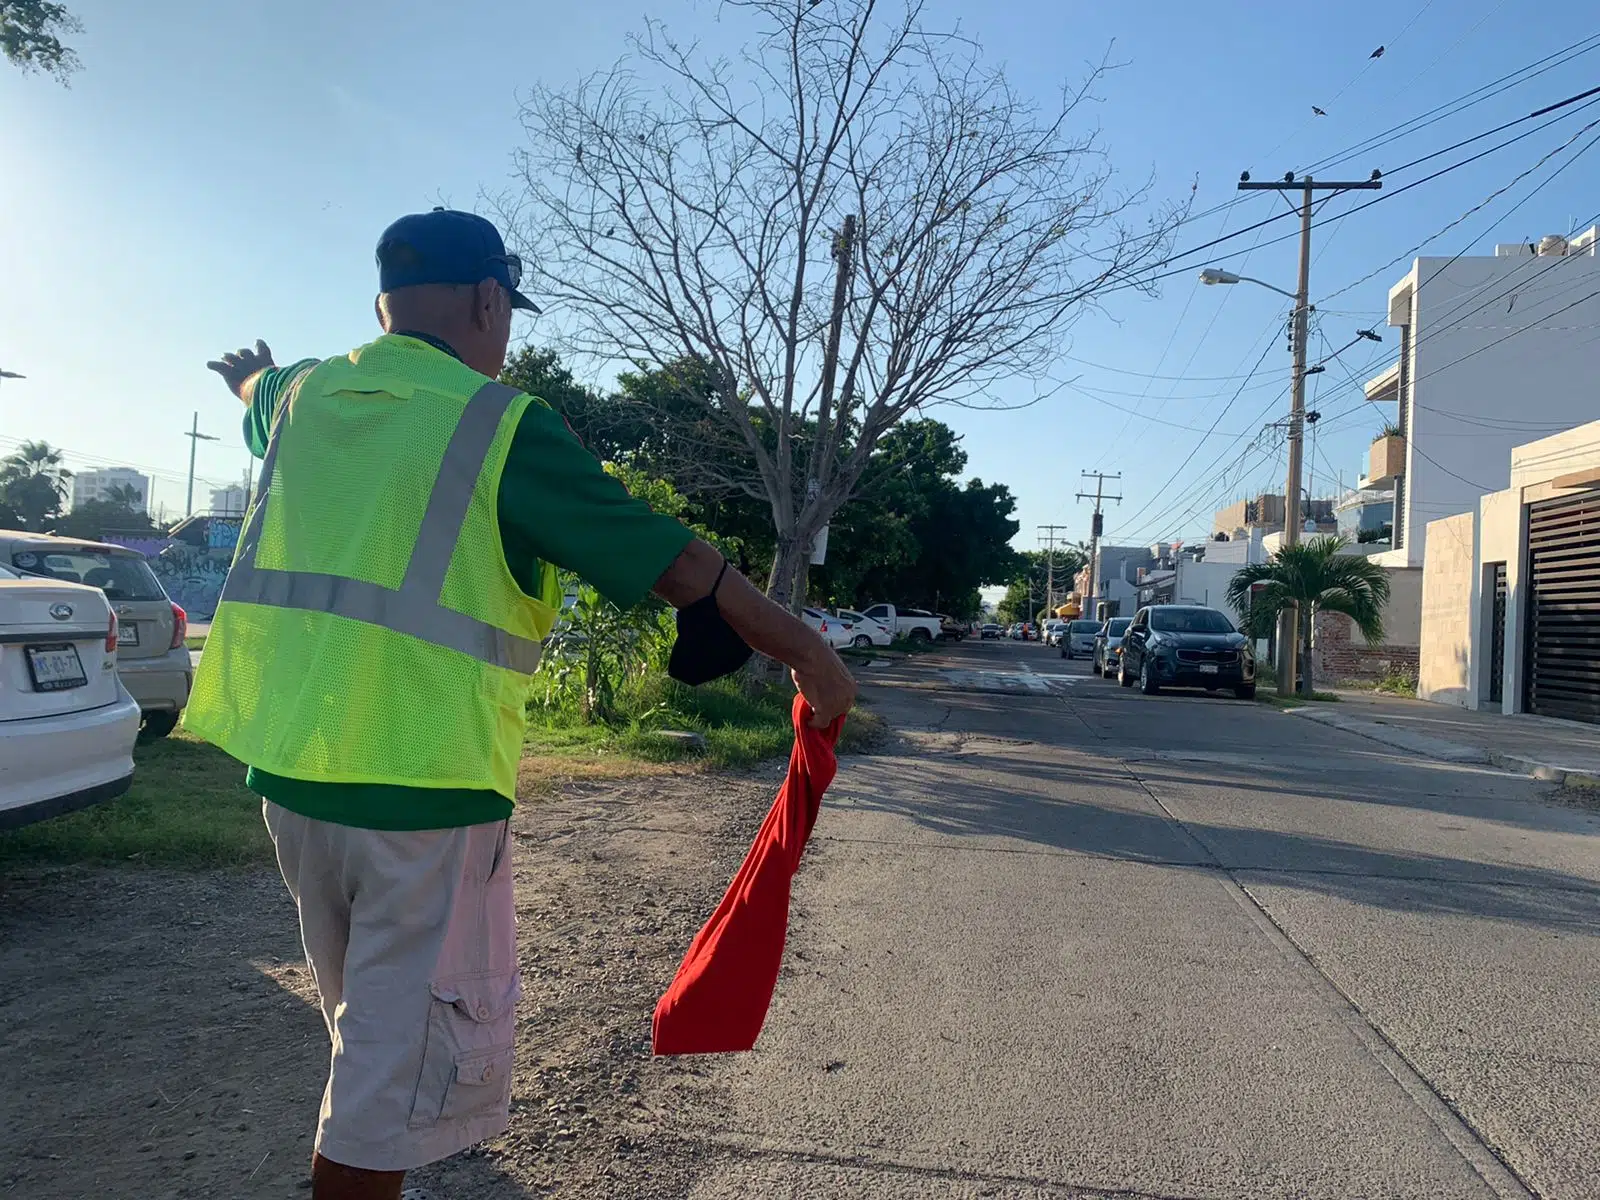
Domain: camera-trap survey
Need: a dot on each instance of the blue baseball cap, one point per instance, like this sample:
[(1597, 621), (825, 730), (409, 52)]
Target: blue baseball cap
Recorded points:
[(447, 246)]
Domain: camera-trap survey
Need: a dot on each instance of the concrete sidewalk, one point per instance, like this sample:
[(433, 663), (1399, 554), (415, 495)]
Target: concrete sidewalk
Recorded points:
[(1563, 752)]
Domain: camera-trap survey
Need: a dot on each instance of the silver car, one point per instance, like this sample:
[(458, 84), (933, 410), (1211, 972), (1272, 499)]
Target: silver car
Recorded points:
[(152, 655), (1079, 639), (1108, 646)]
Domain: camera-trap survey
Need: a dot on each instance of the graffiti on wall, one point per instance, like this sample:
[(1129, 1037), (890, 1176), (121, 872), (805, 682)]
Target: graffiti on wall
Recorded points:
[(191, 568)]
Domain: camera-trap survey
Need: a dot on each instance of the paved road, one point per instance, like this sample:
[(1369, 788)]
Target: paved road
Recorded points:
[(1073, 941)]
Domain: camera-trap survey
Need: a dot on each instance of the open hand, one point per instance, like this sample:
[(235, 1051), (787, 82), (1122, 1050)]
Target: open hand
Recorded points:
[(239, 366)]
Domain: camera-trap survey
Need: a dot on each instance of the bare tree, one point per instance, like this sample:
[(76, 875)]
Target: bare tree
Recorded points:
[(683, 208)]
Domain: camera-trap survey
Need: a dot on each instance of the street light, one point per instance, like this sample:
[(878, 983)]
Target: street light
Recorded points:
[(1288, 623), (1213, 275)]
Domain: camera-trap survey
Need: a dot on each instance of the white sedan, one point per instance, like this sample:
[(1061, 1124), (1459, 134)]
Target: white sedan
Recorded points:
[(863, 630), (829, 626), (67, 725)]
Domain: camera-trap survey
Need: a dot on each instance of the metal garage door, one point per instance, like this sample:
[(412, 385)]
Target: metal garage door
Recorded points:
[(1563, 670)]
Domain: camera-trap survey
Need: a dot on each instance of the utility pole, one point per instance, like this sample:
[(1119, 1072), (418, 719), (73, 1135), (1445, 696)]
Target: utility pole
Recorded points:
[(1096, 528), (1288, 619), (195, 438), (1049, 532)]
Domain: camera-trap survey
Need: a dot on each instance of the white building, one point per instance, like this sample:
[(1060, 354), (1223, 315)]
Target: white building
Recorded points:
[(1494, 351), (1511, 588), (96, 484), (229, 501)]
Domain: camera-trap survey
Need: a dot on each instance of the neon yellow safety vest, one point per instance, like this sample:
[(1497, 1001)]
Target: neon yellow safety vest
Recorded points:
[(369, 630)]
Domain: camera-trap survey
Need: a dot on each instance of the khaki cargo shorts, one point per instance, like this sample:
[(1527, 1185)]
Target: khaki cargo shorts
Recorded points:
[(411, 938)]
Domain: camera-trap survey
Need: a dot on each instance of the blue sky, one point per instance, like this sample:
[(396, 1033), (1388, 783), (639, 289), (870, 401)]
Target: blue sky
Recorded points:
[(219, 172)]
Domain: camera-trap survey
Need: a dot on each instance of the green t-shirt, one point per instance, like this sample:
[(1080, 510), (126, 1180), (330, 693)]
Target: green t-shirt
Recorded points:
[(556, 505)]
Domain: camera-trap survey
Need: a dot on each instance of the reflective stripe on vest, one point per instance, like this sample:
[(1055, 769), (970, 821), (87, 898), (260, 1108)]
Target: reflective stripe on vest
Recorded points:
[(413, 608)]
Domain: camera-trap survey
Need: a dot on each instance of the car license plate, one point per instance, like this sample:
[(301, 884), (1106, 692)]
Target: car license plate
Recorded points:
[(127, 634), (1208, 668), (55, 668)]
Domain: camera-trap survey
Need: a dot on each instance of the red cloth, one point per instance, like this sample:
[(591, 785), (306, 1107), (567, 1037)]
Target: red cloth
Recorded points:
[(720, 995)]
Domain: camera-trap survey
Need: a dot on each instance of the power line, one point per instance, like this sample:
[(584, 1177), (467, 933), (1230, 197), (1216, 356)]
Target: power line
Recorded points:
[(1399, 258), (1388, 195), (1195, 449), (1460, 104)]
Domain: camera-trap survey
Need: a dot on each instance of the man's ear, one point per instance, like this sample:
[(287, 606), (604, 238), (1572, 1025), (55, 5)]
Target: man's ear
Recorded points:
[(484, 295), (377, 311)]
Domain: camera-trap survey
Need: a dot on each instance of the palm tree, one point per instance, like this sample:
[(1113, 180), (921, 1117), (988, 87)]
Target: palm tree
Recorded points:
[(1314, 577), (34, 483), (125, 495)]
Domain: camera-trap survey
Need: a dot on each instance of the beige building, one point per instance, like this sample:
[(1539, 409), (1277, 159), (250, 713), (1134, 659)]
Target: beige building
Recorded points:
[(1511, 588), (1265, 512)]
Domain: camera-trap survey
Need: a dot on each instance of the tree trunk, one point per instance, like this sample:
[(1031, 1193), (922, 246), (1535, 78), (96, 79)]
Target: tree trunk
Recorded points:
[(1306, 681), (787, 560), (781, 580)]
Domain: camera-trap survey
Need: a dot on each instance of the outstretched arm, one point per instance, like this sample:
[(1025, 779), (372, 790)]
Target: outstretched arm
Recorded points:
[(240, 368)]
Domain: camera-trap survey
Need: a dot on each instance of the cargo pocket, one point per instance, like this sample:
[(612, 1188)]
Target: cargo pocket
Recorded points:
[(466, 1062)]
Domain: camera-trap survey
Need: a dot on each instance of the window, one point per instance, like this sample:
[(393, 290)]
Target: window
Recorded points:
[(1085, 627), (1118, 626), (119, 576), (1190, 620)]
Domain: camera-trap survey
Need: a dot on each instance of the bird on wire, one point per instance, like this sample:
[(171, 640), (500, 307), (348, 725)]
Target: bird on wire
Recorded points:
[(1378, 53), (1318, 111)]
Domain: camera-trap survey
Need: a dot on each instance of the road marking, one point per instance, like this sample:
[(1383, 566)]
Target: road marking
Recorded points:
[(1008, 682)]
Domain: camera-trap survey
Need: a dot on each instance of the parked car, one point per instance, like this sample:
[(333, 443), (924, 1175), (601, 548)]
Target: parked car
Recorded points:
[(829, 626), (916, 624), (152, 657), (1108, 645), (67, 725), (864, 631), (1078, 638), (1181, 645), (990, 630), (1049, 631)]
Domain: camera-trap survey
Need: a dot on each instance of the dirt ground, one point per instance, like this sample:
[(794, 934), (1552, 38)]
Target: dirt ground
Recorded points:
[(158, 1036)]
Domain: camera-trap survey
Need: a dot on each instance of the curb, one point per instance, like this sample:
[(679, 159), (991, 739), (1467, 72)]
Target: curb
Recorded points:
[(1561, 776), (1429, 747), (1438, 748)]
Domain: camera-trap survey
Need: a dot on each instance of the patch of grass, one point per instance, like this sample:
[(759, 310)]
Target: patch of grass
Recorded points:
[(195, 642), (899, 648), (188, 807), (1398, 683), (1266, 696), (740, 729)]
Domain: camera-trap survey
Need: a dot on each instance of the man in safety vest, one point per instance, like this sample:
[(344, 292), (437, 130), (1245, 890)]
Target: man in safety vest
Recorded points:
[(370, 662)]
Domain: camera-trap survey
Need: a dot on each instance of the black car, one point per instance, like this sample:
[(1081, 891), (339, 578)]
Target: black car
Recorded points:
[(1183, 645)]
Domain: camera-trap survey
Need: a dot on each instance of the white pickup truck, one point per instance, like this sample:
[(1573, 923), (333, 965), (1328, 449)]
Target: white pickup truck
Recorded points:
[(913, 623)]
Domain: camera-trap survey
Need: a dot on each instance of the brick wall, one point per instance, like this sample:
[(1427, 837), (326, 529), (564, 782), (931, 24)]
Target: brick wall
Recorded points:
[(1342, 653)]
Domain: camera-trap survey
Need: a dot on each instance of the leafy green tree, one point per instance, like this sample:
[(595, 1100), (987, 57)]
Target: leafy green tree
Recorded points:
[(913, 535), (33, 484), (1314, 577), (96, 518), (1017, 604), (30, 36)]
